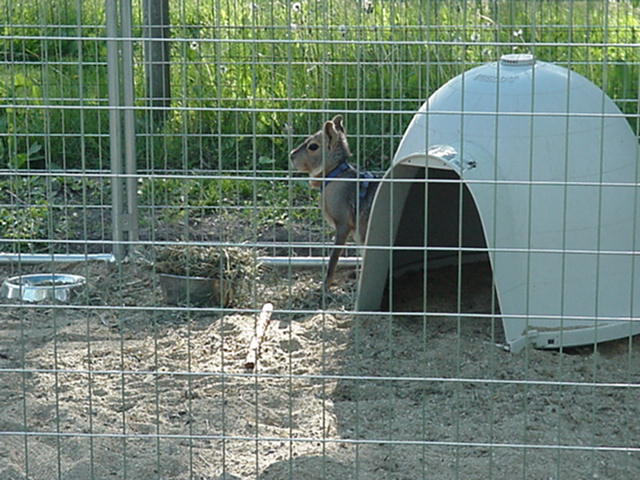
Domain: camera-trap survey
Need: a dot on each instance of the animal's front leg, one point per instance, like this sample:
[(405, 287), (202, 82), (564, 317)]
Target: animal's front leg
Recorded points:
[(342, 232)]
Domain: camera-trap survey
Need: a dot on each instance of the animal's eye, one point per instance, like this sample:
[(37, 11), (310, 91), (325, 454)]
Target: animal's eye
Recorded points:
[(313, 147)]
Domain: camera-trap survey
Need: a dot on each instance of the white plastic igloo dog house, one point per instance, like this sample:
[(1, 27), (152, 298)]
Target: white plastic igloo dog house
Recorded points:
[(548, 168)]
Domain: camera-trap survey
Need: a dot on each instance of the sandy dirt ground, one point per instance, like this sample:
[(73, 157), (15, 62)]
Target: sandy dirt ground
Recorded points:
[(117, 385)]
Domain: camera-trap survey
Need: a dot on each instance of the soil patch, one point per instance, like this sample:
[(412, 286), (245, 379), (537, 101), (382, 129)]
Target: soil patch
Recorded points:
[(120, 382)]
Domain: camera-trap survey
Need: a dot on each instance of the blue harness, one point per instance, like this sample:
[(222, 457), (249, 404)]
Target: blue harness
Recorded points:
[(340, 169)]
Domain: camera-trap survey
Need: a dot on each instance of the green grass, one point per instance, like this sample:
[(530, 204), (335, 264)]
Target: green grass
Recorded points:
[(244, 74), (36, 208), (234, 95), (262, 201)]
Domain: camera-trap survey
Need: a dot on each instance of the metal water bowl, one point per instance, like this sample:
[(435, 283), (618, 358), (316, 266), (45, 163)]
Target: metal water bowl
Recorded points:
[(38, 287)]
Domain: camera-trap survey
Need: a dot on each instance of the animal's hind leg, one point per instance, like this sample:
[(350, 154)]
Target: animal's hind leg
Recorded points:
[(342, 233)]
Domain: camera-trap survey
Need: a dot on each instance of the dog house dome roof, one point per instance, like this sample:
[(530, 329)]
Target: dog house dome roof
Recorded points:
[(518, 110), (551, 165)]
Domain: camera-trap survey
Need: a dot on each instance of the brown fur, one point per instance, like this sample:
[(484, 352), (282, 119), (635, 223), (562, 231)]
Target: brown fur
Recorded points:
[(317, 156)]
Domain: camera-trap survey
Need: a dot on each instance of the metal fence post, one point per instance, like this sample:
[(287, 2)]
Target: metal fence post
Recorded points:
[(122, 135), (115, 128), (129, 124)]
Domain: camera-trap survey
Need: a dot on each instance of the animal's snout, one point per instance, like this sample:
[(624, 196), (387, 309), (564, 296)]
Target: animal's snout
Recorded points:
[(293, 152), (292, 156)]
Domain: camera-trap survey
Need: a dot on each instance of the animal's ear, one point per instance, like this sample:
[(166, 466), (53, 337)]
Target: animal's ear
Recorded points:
[(337, 121), (330, 131)]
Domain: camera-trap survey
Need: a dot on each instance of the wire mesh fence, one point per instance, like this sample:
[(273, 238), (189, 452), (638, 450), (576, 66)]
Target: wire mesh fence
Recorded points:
[(165, 309)]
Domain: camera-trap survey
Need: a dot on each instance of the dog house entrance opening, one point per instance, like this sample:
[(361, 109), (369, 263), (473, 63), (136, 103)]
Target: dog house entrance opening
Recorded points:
[(440, 211)]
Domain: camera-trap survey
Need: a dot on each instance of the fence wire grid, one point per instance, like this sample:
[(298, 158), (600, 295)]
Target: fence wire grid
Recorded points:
[(164, 307)]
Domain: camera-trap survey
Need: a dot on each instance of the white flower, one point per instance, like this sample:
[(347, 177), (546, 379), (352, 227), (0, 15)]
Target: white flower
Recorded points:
[(194, 45), (296, 7), (367, 6), (294, 26), (475, 37), (517, 33)]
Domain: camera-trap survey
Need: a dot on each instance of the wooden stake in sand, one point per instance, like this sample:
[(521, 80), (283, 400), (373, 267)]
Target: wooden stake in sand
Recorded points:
[(261, 329)]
